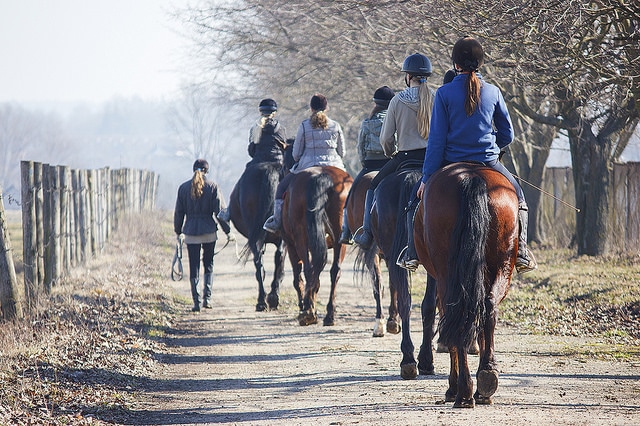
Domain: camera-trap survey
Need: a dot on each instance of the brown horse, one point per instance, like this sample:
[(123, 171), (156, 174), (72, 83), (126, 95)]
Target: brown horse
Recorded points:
[(250, 204), (368, 261), (466, 234), (311, 223)]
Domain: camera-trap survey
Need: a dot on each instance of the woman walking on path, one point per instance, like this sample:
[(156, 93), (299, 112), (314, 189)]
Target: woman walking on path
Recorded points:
[(199, 201)]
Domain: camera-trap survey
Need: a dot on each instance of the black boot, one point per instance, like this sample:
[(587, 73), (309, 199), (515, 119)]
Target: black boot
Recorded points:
[(274, 223), (525, 261), (345, 236), (364, 239), (195, 293), (409, 258), (206, 300)]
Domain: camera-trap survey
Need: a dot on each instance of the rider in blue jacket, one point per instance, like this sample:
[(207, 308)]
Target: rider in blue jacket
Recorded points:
[(470, 122)]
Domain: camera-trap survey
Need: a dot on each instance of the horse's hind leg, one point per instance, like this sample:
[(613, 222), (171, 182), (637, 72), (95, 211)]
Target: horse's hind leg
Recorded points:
[(393, 322), (428, 309), (408, 365), (374, 270), (273, 298), (487, 375), (258, 253), (336, 271)]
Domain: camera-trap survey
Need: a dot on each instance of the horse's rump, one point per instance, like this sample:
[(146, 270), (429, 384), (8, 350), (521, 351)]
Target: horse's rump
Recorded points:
[(251, 203), (469, 228)]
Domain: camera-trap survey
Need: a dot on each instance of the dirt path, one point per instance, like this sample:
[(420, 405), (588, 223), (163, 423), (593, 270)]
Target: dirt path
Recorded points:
[(232, 365)]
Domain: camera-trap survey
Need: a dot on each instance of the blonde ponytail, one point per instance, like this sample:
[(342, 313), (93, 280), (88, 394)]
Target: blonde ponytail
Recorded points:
[(424, 108)]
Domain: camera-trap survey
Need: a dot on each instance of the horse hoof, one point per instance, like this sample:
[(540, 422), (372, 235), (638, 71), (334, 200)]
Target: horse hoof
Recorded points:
[(464, 403), (450, 396), (261, 307), (474, 349), (430, 371), (393, 326), (482, 400), (328, 322), (307, 318), (273, 301), (487, 382), (408, 371), (378, 328)]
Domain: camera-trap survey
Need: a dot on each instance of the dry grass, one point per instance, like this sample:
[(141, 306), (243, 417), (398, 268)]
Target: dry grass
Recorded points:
[(82, 354)]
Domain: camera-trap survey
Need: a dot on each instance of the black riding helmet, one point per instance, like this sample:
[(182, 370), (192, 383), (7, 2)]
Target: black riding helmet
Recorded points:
[(268, 106), (468, 54), (417, 64), (383, 95)]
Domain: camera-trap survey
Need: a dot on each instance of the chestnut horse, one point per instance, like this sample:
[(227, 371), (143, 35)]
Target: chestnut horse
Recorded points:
[(311, 223), (466, 234), (250, 204)]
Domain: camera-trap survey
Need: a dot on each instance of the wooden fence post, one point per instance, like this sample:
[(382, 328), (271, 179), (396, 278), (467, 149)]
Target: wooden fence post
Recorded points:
[(29, 234), (9, 296)]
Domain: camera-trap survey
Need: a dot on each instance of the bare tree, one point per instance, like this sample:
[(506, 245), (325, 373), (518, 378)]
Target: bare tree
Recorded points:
[(28, 135), (202, 124), (570, 65)]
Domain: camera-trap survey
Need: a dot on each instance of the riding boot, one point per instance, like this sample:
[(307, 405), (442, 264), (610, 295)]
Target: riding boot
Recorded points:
[(274, 223), (195, 293), (409, 259), (224, 215), (345, 236), (525, 261), (206, 299), (364, 239)]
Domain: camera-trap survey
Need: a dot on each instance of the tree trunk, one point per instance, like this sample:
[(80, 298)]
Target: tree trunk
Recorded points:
[(592, 182)]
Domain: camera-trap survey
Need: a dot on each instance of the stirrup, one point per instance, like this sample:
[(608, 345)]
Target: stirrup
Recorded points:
[(526, 264), (271, 225), (410, 265), (346, 240)]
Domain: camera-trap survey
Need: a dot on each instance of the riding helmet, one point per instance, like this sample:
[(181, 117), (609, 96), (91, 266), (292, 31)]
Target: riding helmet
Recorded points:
[(268, 106), (383, 95), (417, 64), (468, 54)]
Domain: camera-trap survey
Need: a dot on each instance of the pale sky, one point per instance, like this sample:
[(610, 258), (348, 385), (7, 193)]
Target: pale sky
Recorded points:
[(88, 50)]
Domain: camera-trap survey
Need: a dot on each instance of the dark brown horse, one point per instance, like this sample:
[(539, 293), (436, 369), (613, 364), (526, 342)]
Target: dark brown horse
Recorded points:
[(466, 233), (368, 261), (311, 223), (388, 225), (250, 204)]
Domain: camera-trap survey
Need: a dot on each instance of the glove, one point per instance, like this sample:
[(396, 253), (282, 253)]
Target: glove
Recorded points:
[(180, 238), (231, 237)]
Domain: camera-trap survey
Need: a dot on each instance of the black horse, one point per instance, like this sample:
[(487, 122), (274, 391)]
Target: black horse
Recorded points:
[(250, 204)]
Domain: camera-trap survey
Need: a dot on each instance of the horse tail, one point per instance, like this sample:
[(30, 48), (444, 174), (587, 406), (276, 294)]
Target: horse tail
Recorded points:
[(317, 197), (465, 292)]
